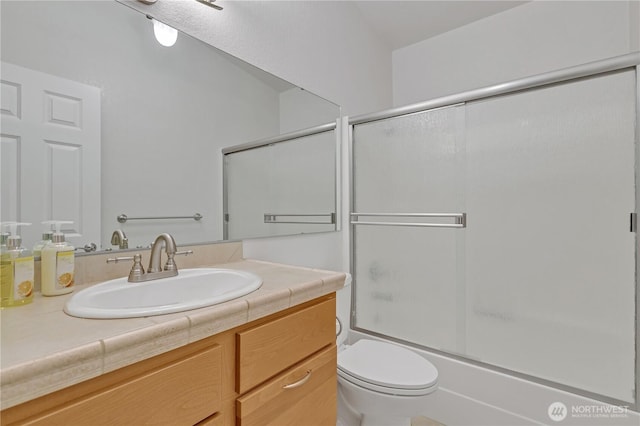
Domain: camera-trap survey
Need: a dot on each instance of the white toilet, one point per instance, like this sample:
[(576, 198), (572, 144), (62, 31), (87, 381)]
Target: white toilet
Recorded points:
[(384, 384), (379, 383)]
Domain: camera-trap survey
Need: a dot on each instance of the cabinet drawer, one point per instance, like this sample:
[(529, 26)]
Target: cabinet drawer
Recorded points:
[(306, 394), (181, 393), (266, 350)]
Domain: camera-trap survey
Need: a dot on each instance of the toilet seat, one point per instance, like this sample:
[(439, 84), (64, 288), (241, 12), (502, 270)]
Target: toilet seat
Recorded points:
[(387, 368)]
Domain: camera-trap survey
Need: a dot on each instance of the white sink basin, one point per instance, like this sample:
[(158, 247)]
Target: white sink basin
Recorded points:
[(190, 289)]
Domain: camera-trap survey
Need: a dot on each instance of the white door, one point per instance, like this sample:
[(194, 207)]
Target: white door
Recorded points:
[(50, 154)]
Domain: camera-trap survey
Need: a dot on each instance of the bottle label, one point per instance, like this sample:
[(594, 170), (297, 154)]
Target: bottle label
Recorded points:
[(23, 278), (64, 269), (6, 279)]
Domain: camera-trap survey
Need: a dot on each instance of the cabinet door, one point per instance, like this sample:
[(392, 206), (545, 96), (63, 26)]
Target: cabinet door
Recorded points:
[(306, 394), (180, 393)]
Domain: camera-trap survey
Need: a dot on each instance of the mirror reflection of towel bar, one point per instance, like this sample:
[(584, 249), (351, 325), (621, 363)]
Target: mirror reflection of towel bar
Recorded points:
[(124, 218), (460, 219), (273, 218)]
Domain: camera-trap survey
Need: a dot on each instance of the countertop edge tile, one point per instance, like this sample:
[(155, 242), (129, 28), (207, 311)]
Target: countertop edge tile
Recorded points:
[(209, 322), (138, 345), (33, 379), (306, 291), (267, 303), (334, 283)]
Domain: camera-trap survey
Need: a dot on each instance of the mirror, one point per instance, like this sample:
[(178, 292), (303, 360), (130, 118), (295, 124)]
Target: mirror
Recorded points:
[(130, 127), (284, 186)]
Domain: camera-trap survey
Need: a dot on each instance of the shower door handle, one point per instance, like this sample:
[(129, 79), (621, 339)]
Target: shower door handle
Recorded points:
[(460, 219)]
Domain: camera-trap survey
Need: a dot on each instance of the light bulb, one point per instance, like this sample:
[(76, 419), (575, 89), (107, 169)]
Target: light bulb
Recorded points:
[(165, 34)]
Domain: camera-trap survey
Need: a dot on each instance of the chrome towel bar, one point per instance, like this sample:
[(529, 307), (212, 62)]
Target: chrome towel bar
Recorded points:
[(460, 219), (123, 218), (273, 218)]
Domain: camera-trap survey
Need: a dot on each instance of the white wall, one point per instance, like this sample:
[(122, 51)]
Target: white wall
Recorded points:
[(530, 39), (300, 110)]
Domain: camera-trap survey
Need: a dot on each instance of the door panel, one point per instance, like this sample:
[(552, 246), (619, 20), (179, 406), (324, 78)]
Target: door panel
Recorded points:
[(51, 153)]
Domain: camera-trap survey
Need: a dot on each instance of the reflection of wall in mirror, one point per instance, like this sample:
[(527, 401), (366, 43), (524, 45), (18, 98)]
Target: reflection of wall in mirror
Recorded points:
[(166, 112), (300, 109)]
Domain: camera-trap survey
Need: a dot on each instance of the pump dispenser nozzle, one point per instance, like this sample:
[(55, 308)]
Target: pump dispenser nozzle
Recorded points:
[(14, 240), (47, 231), (4, 235), (47, 235), (58, 235)]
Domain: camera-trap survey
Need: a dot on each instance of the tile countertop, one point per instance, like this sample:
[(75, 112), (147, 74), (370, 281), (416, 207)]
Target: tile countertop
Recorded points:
[(44, 350)]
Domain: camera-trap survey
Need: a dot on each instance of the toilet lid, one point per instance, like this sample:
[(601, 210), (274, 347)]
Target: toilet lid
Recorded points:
[(388, 365)]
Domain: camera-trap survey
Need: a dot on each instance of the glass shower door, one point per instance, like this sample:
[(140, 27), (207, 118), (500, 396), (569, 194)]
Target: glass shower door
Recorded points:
[(550, 258), (407, 170), (539, 276)]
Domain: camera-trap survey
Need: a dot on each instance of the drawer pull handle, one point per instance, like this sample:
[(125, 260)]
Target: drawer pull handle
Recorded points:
[(300, 382)]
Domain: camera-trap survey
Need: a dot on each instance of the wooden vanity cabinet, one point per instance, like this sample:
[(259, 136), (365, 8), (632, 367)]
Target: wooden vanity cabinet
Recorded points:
[(277, 370), (181, 387), (305, 394), (288, 366)]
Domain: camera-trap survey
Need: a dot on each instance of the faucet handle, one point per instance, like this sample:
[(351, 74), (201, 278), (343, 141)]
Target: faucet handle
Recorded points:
[(137, 270), (171, 264), (119, 259)]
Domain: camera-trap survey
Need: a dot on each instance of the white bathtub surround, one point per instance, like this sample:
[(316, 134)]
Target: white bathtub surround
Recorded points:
[(469, 395)]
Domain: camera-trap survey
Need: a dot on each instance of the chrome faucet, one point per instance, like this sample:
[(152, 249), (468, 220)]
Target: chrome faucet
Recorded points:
[(156, 250), (154, 271), (118, 238)]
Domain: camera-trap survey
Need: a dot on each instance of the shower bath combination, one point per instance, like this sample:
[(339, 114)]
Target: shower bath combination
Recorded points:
[(498, 227)]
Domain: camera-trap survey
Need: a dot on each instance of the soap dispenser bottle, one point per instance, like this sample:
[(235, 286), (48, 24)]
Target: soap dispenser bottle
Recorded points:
[(17, 270), (47, 235), (3, 236), (58, 264)]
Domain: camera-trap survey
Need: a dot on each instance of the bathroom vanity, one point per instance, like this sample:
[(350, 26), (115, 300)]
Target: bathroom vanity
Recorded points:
[(266, 358)]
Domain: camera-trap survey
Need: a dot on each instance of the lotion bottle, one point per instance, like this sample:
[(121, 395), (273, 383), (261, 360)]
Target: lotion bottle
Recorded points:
[(47, 235), (17, 270), (58, 264)]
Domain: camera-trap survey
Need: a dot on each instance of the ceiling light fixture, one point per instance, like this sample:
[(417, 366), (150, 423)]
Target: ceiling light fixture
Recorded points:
[(165, 34)]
